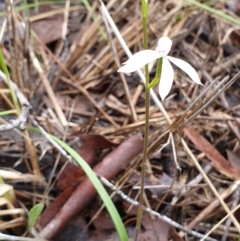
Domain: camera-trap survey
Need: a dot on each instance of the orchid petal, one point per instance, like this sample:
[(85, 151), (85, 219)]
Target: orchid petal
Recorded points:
[(166, 79), (187, 68), (138, 60), (164, 45)]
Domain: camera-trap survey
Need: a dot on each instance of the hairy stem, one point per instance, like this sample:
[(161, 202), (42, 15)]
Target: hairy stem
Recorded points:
[(147, 103)]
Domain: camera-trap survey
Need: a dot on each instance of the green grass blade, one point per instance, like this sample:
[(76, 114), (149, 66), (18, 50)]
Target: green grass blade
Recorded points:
[(215, 12), (25, 4), (34, 214), (12, 92), (100, 29), (32, 5), (8, 112)]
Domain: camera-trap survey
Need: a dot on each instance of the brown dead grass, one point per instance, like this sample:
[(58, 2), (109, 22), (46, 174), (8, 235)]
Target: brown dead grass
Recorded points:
[(76, 89)]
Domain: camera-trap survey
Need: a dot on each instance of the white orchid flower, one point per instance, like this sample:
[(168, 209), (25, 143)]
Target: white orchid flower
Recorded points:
[(144, 57)]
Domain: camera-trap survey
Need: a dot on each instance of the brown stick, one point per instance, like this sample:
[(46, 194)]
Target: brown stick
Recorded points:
[(111, 165)]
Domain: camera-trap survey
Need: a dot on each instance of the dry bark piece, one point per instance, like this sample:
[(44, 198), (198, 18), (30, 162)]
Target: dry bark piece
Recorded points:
[(111, 165), (217, 160)]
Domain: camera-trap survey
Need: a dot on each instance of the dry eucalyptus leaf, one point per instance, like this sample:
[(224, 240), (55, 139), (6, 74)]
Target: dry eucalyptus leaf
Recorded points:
[(48, 30)]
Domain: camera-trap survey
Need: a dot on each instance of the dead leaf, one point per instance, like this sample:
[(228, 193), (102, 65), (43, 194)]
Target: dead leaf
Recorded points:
[(70, 175), (46, 23), (217, 160), (234, 158), (111, 235), (158, 230), (153, 230), (92, 143), (48, 30), (102, 221), (75, 231)]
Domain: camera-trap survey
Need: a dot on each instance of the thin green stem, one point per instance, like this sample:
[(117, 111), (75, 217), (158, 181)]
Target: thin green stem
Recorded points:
[(144, 21), (147, 104)]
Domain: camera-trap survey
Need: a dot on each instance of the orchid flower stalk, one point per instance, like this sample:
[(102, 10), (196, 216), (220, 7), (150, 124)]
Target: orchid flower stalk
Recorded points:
[(147, 104), (164, 76)]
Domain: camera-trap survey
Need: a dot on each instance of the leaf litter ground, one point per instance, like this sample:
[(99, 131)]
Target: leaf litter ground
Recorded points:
[(79, 97)]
